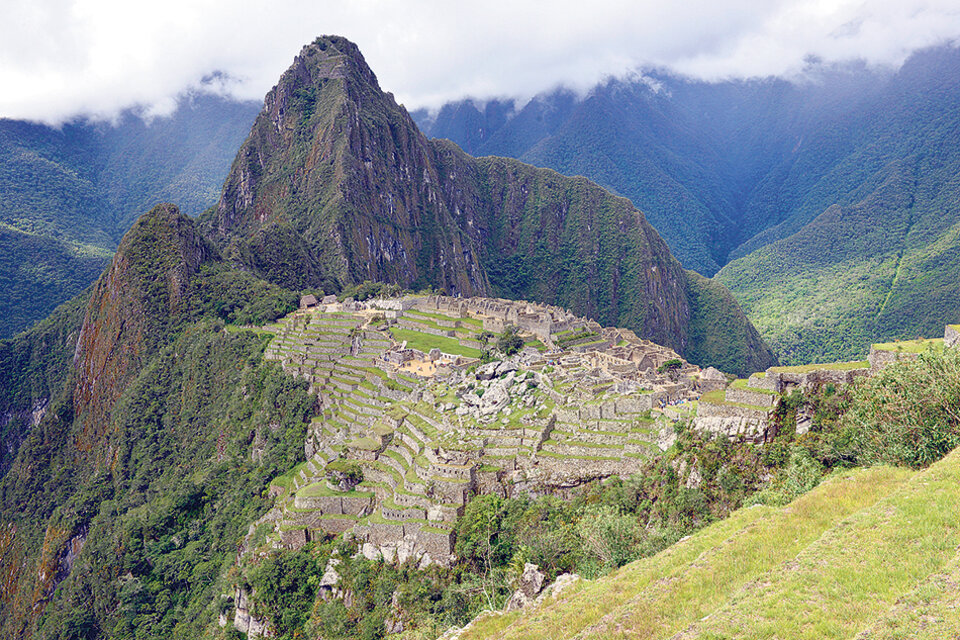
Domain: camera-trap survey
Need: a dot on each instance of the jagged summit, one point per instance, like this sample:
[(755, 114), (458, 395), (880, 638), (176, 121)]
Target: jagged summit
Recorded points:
[(336, 185)]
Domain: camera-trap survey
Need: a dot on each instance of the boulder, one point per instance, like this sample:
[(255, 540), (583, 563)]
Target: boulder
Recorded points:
[(487, 371), (529, 587), (506, 367)]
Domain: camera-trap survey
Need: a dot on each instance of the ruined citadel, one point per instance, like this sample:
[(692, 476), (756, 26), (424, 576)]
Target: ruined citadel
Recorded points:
[(414, 421)]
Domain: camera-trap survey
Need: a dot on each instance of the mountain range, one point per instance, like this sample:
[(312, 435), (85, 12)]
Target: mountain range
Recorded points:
[(69, 193), (158, 428), (786, 192)]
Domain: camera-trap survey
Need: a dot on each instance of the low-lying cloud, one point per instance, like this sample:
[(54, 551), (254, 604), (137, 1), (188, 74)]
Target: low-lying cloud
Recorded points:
[(66, 58)]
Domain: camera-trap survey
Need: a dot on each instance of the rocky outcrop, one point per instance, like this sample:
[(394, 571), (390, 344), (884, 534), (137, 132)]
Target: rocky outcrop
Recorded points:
[(951, 335), (529, 587)]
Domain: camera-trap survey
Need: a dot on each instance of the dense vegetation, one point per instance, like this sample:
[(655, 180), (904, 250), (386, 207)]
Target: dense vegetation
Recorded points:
[(68, 194), (831, 202)]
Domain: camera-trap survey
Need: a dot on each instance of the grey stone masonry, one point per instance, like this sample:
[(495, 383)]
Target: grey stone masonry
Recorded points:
[(880, 358), (951, 335), (748, 396)]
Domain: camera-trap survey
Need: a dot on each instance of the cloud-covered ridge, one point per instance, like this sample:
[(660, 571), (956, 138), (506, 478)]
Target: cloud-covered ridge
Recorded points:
[(64, 58)]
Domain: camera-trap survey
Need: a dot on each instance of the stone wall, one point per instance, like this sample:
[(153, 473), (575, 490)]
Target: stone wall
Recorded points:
[(740, 427), (880, 358), (710, 410), (951, 335), (746, 396)]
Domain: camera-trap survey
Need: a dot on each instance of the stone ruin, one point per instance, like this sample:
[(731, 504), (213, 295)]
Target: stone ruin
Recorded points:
[(547, 419), (746, 410)]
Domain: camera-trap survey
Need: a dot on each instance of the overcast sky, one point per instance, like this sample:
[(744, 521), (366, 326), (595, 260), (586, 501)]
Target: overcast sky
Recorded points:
[(63, 58)]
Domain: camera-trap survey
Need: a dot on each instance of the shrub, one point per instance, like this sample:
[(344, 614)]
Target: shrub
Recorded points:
[(608, 537), (509, 341), (907, 414)]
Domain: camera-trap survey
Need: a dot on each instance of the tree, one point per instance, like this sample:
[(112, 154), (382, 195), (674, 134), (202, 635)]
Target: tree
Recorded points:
[(510, 341)]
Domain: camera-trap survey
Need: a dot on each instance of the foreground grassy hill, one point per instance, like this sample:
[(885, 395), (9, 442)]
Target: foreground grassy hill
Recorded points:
[(821, 567)]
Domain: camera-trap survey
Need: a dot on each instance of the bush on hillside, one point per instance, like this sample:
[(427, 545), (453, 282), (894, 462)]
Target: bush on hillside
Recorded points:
[(906, 414)]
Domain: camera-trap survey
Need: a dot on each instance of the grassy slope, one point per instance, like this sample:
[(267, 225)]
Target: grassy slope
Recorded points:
[(820, 567)]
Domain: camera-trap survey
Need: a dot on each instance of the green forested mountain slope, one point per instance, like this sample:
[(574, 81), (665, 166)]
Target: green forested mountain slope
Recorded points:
[(336, 185), (882, 261), (711, 164), (725, 170), (128, 421), (67, 195)]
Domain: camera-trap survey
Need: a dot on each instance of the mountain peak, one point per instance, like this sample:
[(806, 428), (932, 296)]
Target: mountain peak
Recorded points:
[(336, 185)]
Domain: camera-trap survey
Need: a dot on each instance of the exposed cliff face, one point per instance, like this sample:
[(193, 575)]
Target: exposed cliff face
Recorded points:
[(336, 185), (133, 305)]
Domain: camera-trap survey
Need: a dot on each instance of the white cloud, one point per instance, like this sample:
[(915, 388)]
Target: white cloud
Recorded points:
[(61, 58)]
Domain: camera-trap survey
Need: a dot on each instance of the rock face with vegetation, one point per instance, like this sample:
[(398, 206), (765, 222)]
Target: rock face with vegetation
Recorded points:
[(336, 185), (144, 295)]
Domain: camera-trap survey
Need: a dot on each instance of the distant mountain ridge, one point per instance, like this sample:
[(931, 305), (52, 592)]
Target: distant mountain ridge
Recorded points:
[(68, 195), (336, 185), (746, 176)]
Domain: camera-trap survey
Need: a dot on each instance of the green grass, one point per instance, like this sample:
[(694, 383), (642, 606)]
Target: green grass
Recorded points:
[(424, 342), (286, 480), (720, 397), (745, 385), (829, 366), (366, 443), (911, 346), (858, 569), (320, 489), (442, 317), (662, 595)]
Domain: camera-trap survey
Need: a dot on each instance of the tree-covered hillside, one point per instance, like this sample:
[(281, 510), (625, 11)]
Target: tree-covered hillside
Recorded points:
[(68, 194), (850, 169), (875, 254)]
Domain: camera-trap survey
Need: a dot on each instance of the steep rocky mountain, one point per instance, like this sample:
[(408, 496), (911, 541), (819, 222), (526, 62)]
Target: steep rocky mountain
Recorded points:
[(754, 172), (336, 185), (157, 456), (68, 194)]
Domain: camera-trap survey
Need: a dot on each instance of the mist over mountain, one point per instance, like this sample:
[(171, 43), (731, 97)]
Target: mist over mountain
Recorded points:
[(197, 447), (725, 169)]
